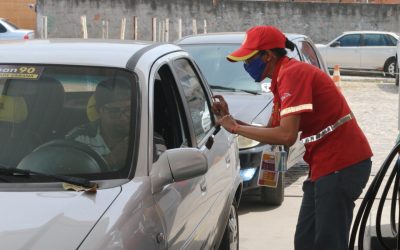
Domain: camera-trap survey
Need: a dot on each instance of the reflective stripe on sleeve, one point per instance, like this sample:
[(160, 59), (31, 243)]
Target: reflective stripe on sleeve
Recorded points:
[(296, 109)]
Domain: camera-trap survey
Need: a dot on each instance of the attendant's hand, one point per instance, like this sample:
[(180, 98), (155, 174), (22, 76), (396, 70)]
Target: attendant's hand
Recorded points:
[(229, 123), (220, 107)]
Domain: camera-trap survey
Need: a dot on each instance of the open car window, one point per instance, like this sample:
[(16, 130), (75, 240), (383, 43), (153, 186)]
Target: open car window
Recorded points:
[(68, 120)]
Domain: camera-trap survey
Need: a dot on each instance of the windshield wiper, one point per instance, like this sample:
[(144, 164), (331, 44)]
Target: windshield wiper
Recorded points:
[(67, 179), (234, 89)]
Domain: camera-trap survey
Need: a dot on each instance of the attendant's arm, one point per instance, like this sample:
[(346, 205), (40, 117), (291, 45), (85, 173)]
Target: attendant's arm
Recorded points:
[(284, 134)]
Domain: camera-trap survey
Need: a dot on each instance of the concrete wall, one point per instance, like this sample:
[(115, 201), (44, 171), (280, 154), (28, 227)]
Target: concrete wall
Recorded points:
[(320, 21)]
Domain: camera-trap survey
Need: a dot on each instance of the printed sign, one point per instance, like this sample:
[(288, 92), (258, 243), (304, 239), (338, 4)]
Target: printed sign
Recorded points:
[(268, 174), (20, 72)]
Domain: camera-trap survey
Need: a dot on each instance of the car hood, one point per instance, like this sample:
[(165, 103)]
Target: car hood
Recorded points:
[(319, 45), (50, 220), (247, 107)]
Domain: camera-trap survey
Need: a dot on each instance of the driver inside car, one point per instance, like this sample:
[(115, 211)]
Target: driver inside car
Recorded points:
[(108, 135)]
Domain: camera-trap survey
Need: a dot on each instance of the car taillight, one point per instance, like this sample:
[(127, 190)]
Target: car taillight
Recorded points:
[(26, 37)]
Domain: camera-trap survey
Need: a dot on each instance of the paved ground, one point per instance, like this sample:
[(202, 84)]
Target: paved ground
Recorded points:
[(374, 102)]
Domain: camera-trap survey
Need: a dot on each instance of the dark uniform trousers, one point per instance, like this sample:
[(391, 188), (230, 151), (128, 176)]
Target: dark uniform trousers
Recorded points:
[(326, 211)]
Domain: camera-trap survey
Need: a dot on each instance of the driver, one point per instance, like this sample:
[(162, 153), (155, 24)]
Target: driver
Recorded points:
[(108, 135)]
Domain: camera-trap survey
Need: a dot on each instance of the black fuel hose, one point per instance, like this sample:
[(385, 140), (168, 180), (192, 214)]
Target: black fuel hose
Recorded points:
[(366, 205)]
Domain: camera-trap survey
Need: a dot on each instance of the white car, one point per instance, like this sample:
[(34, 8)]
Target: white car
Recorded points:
[(9, 31), (362, 50), (173, 180)]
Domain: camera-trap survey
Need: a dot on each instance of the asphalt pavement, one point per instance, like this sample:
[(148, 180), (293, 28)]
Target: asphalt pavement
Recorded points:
[(374, 102)]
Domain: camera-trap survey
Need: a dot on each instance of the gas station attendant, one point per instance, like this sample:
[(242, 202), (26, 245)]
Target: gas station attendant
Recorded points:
[(306, 100)]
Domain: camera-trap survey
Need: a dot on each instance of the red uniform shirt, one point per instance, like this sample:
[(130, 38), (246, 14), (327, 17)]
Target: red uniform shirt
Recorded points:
[(300, 88)]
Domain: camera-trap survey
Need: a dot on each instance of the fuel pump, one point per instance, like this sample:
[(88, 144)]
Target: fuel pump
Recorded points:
[(364, 211)]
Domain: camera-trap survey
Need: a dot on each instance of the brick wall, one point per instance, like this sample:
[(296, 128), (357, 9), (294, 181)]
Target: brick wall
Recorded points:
[(19, 12)]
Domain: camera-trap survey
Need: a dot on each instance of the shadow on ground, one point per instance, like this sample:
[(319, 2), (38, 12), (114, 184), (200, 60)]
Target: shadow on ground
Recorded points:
[(252, 203)]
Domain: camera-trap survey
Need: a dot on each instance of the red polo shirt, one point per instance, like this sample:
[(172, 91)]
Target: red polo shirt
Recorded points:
[(303, 89)]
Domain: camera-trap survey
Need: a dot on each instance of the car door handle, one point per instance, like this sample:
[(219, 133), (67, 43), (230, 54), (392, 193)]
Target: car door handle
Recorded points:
[(228, 161), (203, 185)]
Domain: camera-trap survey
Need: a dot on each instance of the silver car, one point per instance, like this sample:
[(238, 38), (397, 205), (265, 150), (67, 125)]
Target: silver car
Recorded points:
[(362, 50), (67, 106), (9, 31), (248, 101)]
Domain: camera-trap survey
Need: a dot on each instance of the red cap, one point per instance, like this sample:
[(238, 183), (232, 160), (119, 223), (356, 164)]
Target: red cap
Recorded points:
[(256, 39)]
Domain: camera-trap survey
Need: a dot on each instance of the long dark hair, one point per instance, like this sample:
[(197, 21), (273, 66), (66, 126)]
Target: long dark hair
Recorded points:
[(282, 52)]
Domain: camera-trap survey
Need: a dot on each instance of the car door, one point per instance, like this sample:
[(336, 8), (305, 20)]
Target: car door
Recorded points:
[(218, 146), (345, 52), (375, 50), (181, 204), (184, 120)]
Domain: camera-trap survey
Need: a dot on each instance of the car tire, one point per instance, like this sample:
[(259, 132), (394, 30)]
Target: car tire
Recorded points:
[(230, 239), (390, 67), (274, 196)]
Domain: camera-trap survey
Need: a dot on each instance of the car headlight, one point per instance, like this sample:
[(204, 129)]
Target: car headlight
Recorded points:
[(248, 173), (246, 142)]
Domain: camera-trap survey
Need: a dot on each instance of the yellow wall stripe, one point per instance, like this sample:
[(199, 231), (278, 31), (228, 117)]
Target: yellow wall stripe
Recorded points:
[(289, 110)]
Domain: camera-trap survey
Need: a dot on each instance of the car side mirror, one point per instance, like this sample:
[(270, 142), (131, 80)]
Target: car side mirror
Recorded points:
[(335, 44), (177, 165)]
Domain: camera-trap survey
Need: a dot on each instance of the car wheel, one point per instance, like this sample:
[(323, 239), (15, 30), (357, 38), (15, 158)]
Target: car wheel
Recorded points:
[(390, 67), (230, 240), (397, 76), (274, 196)]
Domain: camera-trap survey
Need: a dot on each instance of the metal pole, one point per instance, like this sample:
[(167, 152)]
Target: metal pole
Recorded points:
[(179, 28), (84, 27), (194, 26), (205, 26), (44, 27), (123, 25), (135, 35), (154, 29), (167, 30)]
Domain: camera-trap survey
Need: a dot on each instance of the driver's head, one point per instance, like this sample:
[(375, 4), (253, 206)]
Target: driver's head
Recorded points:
[(113, 104)]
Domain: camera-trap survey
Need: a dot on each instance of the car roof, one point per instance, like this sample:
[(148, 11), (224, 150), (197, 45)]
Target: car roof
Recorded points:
[(223, 37), (92, 52), (369, 32)]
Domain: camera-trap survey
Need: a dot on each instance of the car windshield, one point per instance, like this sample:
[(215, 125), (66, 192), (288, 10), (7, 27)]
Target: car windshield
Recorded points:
[(221, 74), (67, 120)]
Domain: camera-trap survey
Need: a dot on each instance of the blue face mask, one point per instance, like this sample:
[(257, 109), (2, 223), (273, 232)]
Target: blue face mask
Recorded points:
[(255, 68)]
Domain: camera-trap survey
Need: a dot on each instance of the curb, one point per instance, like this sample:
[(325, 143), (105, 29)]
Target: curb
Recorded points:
[(367, 79)]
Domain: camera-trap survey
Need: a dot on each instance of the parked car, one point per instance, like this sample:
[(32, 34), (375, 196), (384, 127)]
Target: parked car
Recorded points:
[(178, 186), (362, 50), (9, 31), (248, 101)]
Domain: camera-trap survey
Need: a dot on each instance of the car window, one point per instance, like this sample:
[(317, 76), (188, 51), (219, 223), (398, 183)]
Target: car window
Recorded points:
[(374, 40), (85, 117), (390, 40), (309, 54), (195, 97), (350, 40), (2, 28), (170, 129)]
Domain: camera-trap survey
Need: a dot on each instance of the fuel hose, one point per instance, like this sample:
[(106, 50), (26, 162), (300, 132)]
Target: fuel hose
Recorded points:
[(364, 211)]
